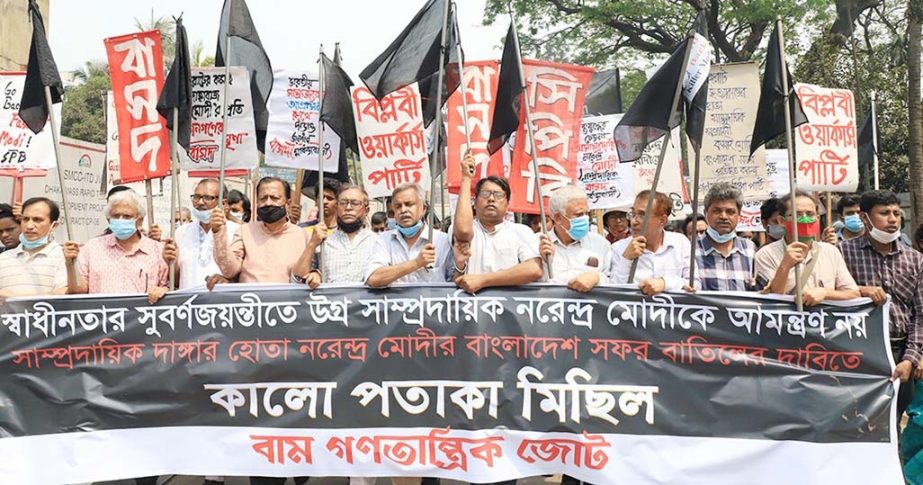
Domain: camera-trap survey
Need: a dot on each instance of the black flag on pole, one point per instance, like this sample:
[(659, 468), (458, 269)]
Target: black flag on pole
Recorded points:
[(509, 90), (867, 146), (695, 88), (337, 108), (414, 57), (177, 89), (246, 50), (42, 71), (605, 94), (770, 117)]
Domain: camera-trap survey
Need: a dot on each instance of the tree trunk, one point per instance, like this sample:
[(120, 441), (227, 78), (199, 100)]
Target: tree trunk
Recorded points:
[(914, 109)]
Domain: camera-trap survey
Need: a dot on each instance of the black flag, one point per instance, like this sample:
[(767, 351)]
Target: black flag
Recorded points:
[(509, 90), (177, 89), (337, 107), (42, 71), (697, 79), (770, 118), (246, 50), (650, 117), (605, 94), (414, 57), (867, 146)]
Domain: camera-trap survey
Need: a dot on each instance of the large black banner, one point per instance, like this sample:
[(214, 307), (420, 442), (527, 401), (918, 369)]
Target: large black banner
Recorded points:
[(432, 381)]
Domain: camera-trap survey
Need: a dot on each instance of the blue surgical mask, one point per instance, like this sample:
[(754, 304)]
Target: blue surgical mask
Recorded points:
[(412, 230), (201, 216), (579, 227), (30, 245), (122, 228), (391, 224), (720, 238), (853, 223)]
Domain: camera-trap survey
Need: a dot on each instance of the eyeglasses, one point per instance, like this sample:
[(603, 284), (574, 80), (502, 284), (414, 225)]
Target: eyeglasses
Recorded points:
[(635, 215), (496, 194), (206, 198), (350, 203)]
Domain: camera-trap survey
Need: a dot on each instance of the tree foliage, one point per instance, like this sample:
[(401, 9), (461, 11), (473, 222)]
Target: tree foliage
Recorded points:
[(83, 114)]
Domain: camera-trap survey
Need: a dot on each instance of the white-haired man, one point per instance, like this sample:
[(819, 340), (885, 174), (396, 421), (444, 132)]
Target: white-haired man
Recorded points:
[(125, 261), (406, 254), (580, 258)]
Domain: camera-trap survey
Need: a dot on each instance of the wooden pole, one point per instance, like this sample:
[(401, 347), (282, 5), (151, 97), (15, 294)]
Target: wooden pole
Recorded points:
[(174, 193), (693, 240), (224, 120), (320, 150), (549, 272), (462, 81), (149, 197), (875, 140), (49, 103), (437, 123), (789, 143)]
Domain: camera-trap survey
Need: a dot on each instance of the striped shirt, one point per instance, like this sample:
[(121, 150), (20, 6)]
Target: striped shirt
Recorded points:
[(40, 273), (346, 260), (900, 275), (717, 272)]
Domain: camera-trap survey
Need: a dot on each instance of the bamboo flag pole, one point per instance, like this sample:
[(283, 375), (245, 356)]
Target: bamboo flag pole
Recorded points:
[(224, 119), (695, 212), (149, 198), (59, 170), (461, 76), (799, 303), (663, 153), (434, 161), (174, 193), (874, 139), (320, 149), (549, 272)]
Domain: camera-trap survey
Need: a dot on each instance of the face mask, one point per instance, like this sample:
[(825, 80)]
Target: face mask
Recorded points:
[(391, 224), (271, 213), (123, 228), (237, 216), (349, 227), (882, 236), (776, 231), (410, 231), (853, 223), (579, 227), (30, 245), (720, 238), (201, 216), (808, 228)]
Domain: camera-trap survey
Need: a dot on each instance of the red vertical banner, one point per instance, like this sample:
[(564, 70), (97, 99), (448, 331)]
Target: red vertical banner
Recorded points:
[(480, 88), (136, 68), (555, 93)]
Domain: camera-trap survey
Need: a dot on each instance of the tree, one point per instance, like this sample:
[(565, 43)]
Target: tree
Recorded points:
[(83, 115), (167, 28), (199, 58)]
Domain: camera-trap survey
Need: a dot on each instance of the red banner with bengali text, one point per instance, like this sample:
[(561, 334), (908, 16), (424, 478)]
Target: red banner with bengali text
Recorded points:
[(480, 91)]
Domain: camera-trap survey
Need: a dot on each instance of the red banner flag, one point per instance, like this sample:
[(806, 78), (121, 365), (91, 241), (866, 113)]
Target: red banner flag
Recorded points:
[(136, 68), (555, 93), (480, 85)]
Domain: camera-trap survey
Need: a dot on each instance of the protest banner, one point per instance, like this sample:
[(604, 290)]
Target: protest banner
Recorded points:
[(480, 85), (512, 382), (392, 140), (112, 142), (733, 98), (826, 149), (208, 104), (555, 94), (671, 177), (608, 183), (20, 148), (777, 173), (136, 68), (291, 136)]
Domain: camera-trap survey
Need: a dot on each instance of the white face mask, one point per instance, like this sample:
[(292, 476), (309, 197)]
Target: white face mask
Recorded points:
[(884, 237)]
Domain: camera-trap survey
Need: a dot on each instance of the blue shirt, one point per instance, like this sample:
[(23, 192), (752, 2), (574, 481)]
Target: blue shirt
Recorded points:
[(717, 272)]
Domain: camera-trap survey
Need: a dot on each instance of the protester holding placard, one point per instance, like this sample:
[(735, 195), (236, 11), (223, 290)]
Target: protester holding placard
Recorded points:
[(262, 251), (123, 262), (824, 276), (724, 261), (580, 258), (9, 228), (663, 256), (406, 254), (36, 266), (193, 250), (491, 251)]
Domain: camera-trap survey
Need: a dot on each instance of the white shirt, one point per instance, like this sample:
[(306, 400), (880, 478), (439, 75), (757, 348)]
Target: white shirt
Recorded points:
[(592, 253), (670, 262), (197, 253), (345, 260), (391, 248), (40, 273), (509, 245)]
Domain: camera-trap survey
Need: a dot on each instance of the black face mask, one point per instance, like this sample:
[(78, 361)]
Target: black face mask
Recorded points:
[(349, 227), (271, 213)]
